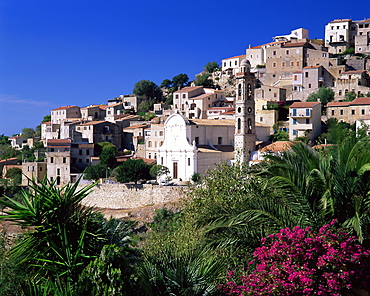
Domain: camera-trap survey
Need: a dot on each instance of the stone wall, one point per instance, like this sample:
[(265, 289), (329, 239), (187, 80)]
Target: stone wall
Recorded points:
[(128, 196)]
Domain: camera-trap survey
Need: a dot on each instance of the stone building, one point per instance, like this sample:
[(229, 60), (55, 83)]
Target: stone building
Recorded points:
[(33, 170), (349, 111), (58, 155), (60, 114)]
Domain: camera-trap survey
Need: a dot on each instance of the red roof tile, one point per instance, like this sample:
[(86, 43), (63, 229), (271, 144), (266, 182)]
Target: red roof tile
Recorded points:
[(236, 57), (303, 104), (294, 44), (63, 108), (187, 89)]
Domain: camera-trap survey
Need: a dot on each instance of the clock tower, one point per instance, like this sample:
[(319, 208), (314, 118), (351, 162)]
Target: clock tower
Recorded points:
[(245, 132)]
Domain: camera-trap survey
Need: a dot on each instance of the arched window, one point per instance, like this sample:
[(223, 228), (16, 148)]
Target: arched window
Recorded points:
[(249, 126), (239, 124), (239, 90)]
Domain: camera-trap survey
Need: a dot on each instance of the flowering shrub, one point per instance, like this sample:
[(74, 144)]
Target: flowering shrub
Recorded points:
[(300, 262)]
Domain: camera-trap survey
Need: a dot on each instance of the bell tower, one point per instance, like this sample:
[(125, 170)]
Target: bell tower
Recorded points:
[(245, 131)]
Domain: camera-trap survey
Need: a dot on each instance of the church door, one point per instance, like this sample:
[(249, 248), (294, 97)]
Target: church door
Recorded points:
[(175, 170)]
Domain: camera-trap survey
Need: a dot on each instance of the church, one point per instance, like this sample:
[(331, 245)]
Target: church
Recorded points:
[(196, 145)]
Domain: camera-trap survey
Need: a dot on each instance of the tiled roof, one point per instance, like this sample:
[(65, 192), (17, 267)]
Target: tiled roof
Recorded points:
[(103, 107), (92, 123), (236, 57), (364, 21), (279, 146), (46, 122), (114, 105), (188, 88), (270, 43), (303, 104), (296, 72), (353, 72), (63, 108), (15, 137), (311, 67), (361, 101), (136, 126), (340, 20), (294, 44), (219, 122), (338, 104), (8, 159)]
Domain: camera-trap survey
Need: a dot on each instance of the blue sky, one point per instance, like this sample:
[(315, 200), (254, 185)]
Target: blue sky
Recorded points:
[(57, 53)]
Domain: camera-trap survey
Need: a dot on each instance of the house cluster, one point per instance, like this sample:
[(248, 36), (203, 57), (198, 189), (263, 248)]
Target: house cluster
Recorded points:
[(232, 123)]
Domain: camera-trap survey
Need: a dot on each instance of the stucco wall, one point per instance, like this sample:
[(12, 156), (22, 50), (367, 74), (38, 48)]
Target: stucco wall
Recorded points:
[(122, 196)]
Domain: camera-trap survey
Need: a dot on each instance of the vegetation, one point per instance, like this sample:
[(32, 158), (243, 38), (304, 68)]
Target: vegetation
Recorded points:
[(133, 170), (203, 80), (157, 171), (324, 94), (350, 96), (211, 67), (147, 89), (96, 171)]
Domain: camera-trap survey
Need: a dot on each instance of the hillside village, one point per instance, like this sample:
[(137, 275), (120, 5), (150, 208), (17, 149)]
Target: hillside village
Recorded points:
[(255, 95)]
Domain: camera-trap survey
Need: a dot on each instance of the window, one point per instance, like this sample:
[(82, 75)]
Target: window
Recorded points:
[(287, 52), (40, 169), (332, 112), (292, 64), (341, 112), (283, 64), (80, 152), (295, 77), (307, 121), (274, 52), (188, 161), (309, 85), (161, 160), (275, 95), (51, 159), (87, 160), (58, 172), (219, 140), (340, 93), (294, 112), (236, 62), (294, 132), (80, 160), (324, 55), (64, 160), (87, 152), (274, 65), (196, 140), (150, 144), (161, 133), (261, 119), (363, 112), (183, 96), (307, 112), (28, 168), (297, 64), (150, 155), (294, 121), (306, 74), (353, 112), (177, 96)]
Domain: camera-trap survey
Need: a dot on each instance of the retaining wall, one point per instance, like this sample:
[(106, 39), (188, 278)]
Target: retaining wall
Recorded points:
[(128, 196)]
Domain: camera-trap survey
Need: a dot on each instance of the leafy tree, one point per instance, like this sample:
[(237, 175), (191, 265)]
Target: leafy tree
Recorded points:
[(350, 50), (211, 67), (108, 155), (147, 89), (169, 99), (325, 94), (195, 177), (157, 171), (133, 170), (166, 83), (4, 140), (163, 221), (145, 106), (46, 118), (180, 80), (28, 133), (203, 80), (279, 135), (95, 172), (350, 96), (368, 94)]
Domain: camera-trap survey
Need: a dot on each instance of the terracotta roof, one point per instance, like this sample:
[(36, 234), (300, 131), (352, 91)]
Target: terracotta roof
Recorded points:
[(236, 57), (279, 146), (297, 72), (8, 159), (228, 112), (340, 20), (361, 101), (92, 123), (15, 137), (10, 166), (311, 67), (188, 88), (353, 72), (136, 126), (364, 21), (357, 101), (294, 44), (303, 104), (220, 122), (63, 108), (103, 107), (337, 104), (114, 105), (46, 122), (270, 43)]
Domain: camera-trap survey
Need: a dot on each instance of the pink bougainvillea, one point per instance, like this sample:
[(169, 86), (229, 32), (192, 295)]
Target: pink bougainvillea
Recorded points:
[(301, 262)]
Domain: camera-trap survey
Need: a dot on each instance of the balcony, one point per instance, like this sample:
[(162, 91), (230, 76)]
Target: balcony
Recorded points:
[(300, 114)]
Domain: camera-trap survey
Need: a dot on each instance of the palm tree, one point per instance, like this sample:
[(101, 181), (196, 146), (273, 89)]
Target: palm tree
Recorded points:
[(64, 236)]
